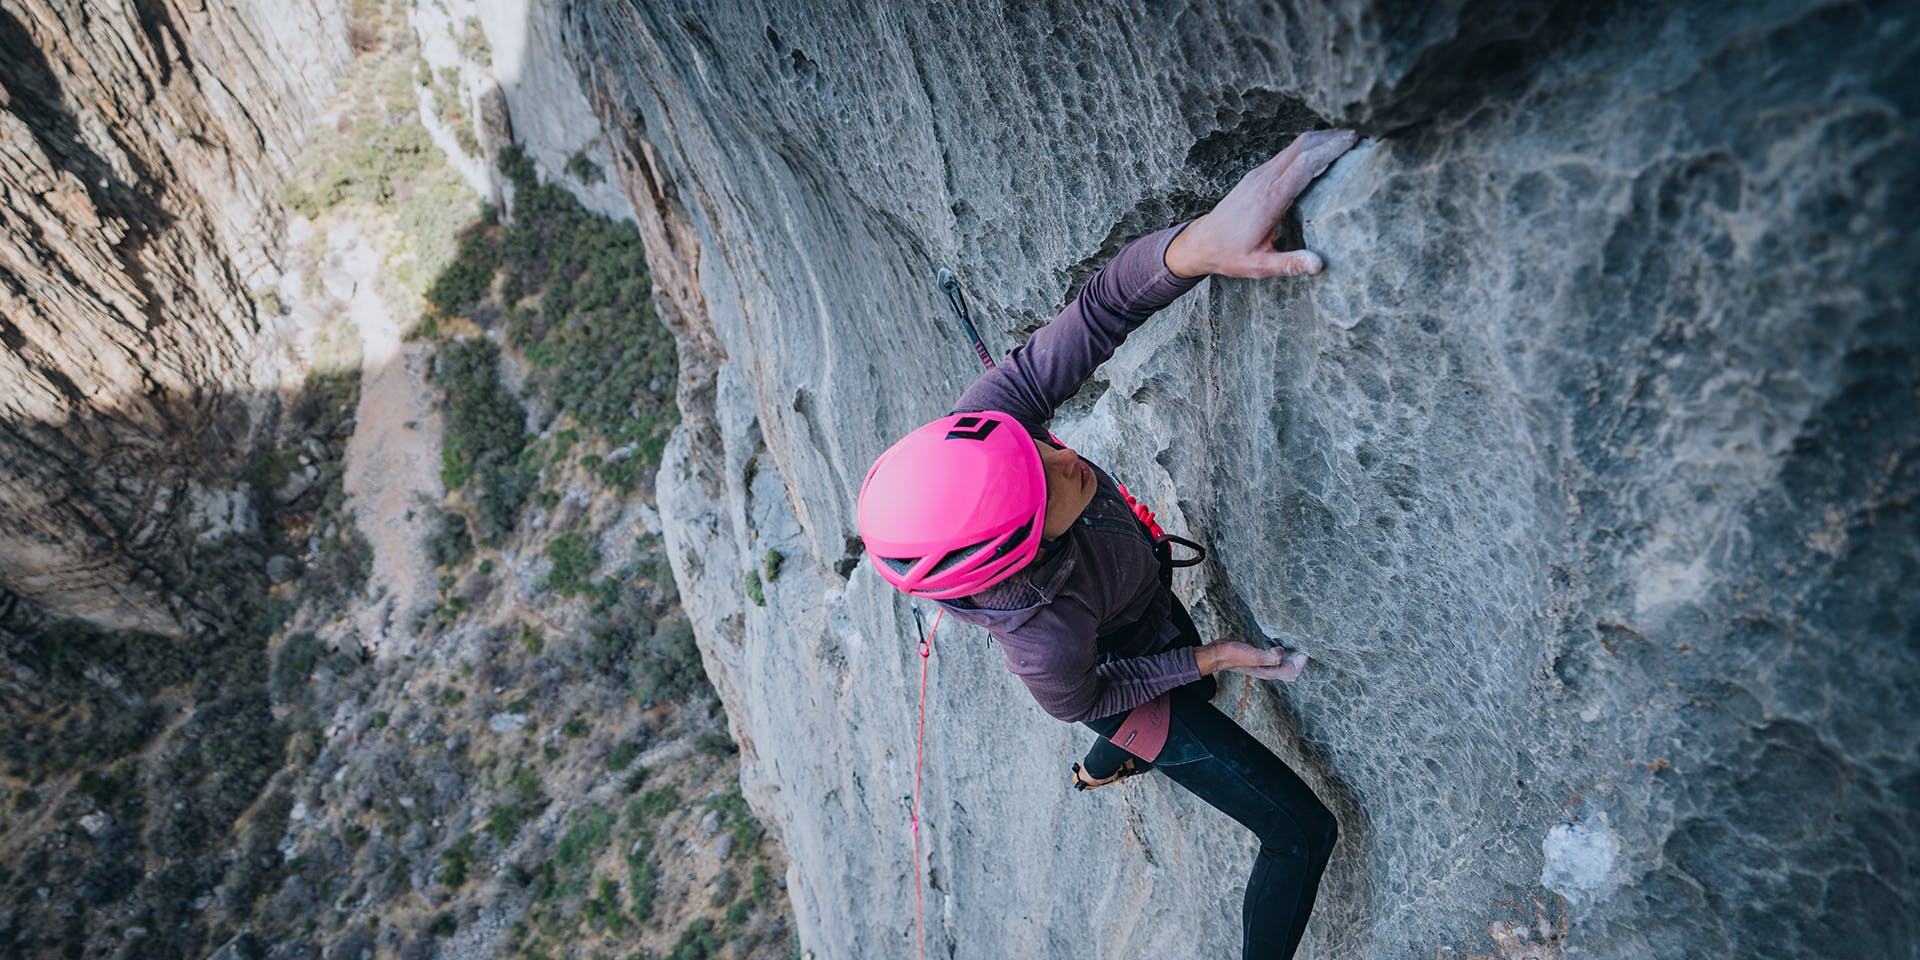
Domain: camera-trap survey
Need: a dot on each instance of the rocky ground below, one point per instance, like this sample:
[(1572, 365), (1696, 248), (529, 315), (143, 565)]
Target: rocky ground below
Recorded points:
[(456, 710)]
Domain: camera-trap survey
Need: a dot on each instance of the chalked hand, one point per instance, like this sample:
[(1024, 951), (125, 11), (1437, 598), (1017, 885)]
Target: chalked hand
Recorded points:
[(1236, 238)]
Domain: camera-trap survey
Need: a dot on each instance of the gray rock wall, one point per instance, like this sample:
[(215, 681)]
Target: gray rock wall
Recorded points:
[(1584, 472), (143, 144)]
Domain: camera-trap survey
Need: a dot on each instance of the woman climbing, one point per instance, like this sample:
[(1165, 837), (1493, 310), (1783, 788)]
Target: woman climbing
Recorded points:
[(986, 512)]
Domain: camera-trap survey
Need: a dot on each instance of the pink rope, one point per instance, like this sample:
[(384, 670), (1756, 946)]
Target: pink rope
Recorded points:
[(919, 754)]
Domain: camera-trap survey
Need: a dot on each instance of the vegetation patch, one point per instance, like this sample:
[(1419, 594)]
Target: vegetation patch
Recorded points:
[(576, 293), (587, 834), (449, 543), (520, 802), (575, 556), (455, 861), (582, 168), (486, 430)]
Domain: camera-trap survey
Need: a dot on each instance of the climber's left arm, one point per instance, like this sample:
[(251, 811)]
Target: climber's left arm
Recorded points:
[(1234, 239), (1042, 373)]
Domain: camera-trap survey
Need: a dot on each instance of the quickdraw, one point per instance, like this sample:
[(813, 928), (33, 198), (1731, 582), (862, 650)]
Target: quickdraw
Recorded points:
[(950, 285)]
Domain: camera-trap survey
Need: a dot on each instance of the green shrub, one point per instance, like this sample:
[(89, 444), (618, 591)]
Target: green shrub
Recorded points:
[(770, 567), (726, 889), (736, 917), (698, 941), (455, 860), (755, 592), (465, 279), (610, 644), (654, 804), (582, 168), (760, 882), (607, 592), (636, 778), (346, 559), (739, 819), (531, 639), (604, 909), (643, 875), (587, 834), (485, 433), (439, 208), (715, 743), (483, 418), (271, 468), (449, 543), (575, 556), (371, 162), (101, 787), (473, 43), (298, 654), (597, 348), (622, 755), (669, 667), (522, 803)]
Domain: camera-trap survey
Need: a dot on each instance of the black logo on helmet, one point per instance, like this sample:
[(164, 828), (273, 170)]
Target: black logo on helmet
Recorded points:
[(971, 428)]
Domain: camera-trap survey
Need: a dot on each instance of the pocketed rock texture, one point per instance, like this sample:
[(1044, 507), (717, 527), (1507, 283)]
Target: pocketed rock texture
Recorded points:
[(1584, 472), (144, 146)]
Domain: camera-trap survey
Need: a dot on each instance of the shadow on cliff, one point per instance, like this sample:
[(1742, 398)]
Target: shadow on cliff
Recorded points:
[(181, 755), (163, 748)]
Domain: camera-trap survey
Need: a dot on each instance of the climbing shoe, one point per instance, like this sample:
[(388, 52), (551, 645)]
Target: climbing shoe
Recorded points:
[(1085, 781)]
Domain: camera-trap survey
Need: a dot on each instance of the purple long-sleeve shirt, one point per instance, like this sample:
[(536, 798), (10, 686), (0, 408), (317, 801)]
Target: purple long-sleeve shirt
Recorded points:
[(1060, 618)]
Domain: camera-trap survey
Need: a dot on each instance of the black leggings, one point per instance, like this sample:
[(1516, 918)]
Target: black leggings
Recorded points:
[(1217, 761)]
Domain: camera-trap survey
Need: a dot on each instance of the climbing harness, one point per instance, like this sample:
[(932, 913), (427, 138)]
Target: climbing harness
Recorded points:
[(1163, 542)]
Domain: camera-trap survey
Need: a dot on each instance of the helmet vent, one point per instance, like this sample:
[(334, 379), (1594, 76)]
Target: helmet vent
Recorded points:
[(1014, 540), (955, 558)]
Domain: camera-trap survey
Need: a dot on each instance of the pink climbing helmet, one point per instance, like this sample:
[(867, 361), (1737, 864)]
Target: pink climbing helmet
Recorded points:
[(955, 506)]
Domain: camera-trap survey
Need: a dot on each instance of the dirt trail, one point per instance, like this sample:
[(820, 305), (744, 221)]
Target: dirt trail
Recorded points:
[(393, 458)]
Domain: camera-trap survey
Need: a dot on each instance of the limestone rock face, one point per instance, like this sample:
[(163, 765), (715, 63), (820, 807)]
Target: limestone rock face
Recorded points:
[(1584, 472), (142, 149)]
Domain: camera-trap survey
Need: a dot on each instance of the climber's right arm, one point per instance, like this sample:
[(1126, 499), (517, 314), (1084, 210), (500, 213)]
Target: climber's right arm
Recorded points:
[(1242, 658)]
